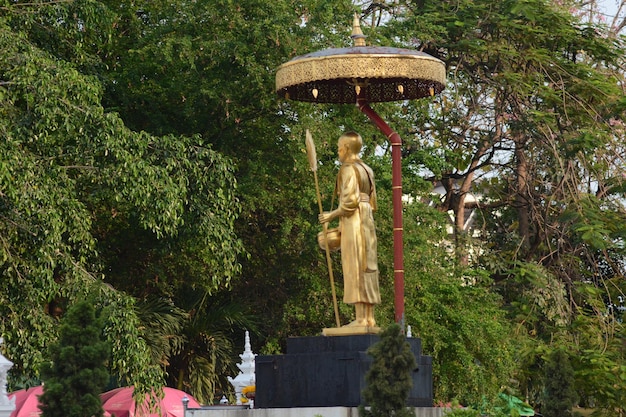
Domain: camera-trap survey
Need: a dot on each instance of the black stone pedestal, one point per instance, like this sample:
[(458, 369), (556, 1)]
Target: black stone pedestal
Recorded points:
[(329, 371)]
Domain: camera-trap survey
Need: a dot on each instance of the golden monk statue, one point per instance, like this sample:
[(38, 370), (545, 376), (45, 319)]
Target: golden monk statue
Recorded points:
[(356, 193)]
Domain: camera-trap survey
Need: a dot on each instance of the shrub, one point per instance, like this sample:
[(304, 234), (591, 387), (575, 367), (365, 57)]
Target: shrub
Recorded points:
[(389, 379)]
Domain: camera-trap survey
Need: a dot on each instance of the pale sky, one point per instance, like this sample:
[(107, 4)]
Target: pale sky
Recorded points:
[(609, 9)]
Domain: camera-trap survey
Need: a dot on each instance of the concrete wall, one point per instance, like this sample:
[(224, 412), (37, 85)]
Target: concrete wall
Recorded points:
[(225, 411)]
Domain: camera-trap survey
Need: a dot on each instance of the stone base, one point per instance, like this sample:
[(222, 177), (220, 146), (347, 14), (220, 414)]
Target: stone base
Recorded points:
[(323, 371), (7, 409), (211, 411)]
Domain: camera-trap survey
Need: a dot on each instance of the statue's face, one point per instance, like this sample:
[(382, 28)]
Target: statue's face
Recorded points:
[(343, 149)]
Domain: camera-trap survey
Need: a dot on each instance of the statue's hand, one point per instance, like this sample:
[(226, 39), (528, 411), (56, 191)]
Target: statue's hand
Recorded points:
[(324, 217)]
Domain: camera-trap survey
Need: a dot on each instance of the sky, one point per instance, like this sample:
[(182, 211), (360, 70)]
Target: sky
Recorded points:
[(609, 8)]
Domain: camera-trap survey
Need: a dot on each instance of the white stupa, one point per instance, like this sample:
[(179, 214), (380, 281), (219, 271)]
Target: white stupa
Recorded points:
[(6, 405), (246, 376)]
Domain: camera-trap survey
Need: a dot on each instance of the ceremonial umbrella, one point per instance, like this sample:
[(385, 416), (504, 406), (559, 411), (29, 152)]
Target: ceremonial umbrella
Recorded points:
[(359, 75)]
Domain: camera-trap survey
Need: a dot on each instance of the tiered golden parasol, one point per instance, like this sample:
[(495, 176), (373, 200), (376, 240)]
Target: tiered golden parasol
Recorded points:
[(362, 74)]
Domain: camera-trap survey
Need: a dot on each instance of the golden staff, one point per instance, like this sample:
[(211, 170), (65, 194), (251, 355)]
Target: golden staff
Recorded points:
[(312, 155)]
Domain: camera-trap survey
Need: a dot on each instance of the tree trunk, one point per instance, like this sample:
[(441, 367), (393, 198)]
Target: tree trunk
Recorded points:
[(460, 234), (521, 194)]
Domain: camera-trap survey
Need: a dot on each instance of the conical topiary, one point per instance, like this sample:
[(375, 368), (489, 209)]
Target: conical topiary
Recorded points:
[(76, 373), (560, 394), (389, 379)]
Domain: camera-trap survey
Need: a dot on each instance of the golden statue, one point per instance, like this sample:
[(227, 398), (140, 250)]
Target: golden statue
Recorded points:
[(356, 193)]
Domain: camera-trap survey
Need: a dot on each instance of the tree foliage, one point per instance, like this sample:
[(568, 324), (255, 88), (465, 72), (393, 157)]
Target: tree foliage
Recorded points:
[(76, 374), (532, 122), (146, 161), (560, 394), (77, 185), (390, 377), (456, 313)]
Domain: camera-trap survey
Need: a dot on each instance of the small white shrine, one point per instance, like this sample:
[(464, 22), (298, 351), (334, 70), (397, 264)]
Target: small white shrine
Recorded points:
[(246, 377), (6, 405)]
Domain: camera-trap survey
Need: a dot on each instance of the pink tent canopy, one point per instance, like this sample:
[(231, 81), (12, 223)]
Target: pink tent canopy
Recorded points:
[(27, 402), (120, 403)]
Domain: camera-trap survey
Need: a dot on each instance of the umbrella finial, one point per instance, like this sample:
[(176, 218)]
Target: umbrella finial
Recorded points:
[(357, 34)]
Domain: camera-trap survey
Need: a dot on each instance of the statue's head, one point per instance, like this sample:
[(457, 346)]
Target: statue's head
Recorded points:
[(353, 141)]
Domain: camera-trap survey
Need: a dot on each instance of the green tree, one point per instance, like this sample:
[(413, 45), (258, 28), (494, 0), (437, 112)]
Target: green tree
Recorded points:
[(77, 185), (209, 352), (220, 83), (560, 392), (76, 374), (456, 313), (532, 122), (390, 377)]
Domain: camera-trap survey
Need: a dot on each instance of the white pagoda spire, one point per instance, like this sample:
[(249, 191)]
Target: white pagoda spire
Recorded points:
[(246, 377), (6, 405)]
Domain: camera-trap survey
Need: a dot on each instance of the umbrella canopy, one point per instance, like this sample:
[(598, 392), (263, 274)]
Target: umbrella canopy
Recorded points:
[(374, 73), (120, 403), (27, 402), (371, 73)]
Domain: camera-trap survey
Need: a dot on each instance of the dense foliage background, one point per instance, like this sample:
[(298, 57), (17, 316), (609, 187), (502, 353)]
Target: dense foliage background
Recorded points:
[(146, 165)]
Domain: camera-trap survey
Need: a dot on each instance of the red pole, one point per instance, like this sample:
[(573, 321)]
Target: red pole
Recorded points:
[(396, 185)]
